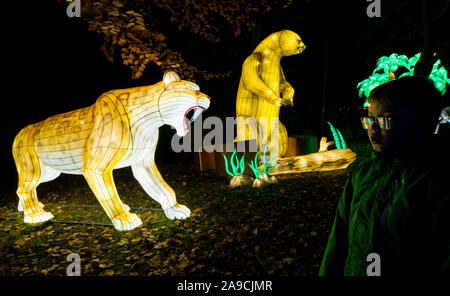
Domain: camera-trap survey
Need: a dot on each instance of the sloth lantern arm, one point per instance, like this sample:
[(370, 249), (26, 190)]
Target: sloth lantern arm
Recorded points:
[(253, 82), (286, 90)]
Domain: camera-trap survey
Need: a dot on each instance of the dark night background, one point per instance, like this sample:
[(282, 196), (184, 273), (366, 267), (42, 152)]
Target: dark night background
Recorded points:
[(53, 64)]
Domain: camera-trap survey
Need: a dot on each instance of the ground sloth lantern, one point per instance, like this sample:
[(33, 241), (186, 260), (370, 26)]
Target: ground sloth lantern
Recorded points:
[(263, 89)]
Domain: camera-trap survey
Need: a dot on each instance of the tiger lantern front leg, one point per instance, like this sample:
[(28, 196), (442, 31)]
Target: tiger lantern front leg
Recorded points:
[(263, 89), (119, 130)]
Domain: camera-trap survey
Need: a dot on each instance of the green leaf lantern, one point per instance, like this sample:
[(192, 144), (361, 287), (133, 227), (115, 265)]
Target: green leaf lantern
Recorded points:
[(390, 64)]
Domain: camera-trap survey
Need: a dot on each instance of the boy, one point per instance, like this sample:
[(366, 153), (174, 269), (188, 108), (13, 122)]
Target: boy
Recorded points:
[(395, 204)]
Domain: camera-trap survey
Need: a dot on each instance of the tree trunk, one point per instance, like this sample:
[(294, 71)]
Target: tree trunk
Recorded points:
[(324, 86), (391, 75), (425, 63), (255, 38)]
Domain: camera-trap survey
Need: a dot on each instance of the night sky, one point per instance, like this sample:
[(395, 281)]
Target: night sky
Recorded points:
[(53, 64)]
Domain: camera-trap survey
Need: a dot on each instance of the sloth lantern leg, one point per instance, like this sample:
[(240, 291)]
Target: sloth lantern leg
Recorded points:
[(283, 140), (31, 173), (147, 174), (277, 140), (247, 129), (105, 147)]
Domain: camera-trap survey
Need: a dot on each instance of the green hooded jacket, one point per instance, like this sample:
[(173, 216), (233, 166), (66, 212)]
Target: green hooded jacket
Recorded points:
[(397, 206)]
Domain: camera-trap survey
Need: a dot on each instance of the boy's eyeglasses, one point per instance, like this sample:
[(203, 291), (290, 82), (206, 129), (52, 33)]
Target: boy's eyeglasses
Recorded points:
[(383, 122)]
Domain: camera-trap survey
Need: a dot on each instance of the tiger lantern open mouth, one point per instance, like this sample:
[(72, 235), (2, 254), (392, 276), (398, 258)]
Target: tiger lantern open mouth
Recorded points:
[(194, 112), (190, 115)]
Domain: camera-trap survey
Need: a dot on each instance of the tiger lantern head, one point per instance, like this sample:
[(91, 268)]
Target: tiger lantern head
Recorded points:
[(181, 102)]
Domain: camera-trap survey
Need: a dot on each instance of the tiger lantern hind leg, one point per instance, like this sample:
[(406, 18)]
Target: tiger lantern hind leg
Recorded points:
[(31, 173)]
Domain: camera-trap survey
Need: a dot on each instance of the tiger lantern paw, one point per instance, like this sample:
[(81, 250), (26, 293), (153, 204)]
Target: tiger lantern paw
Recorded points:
[(37, 217), (126, 221), (177, 212), (20, 207)]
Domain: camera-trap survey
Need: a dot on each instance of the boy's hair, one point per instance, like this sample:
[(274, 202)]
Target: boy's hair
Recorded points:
[(418, 93)]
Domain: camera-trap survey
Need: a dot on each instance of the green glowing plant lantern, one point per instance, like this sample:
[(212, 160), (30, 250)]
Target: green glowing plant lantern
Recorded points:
[(237, 171), (263, 177), (344, 145), (366, 86), (338, 138), (439, 77), (438, 73), (237, 166), (413, 60), (266, 169), (254, 166), (390, 64)]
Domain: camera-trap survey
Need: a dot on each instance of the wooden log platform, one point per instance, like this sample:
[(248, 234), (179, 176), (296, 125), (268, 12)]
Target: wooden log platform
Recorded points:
[(320, 161)]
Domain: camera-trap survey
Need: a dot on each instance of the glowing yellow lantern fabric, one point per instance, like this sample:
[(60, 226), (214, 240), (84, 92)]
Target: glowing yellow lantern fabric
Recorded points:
[(119, 130), (263, 89), (323, 160)]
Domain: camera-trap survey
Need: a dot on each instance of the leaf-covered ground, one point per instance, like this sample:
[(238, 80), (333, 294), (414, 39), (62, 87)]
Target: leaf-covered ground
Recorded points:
[(277, 230)]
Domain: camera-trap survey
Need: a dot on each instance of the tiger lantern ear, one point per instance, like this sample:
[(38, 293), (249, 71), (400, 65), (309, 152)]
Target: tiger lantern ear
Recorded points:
[(170, 76)]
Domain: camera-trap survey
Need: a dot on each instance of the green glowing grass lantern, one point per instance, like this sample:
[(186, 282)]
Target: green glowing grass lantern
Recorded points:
[(237, 171), (237, 166), (338, 138), (263, 176)]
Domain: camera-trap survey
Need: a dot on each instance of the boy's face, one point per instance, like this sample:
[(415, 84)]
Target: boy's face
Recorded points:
[(405, 132)]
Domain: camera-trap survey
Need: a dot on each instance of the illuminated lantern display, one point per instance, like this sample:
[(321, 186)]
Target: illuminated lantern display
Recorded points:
[(445, 115), (237, 171), (323, 160), (338, 138), (444, 118), (263, 177), (119, 130), (263, 89), (389, 65), (261, 173)]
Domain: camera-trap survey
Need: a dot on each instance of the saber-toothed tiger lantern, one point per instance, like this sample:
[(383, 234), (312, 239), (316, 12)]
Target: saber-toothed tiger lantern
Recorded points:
[(119, 130)]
